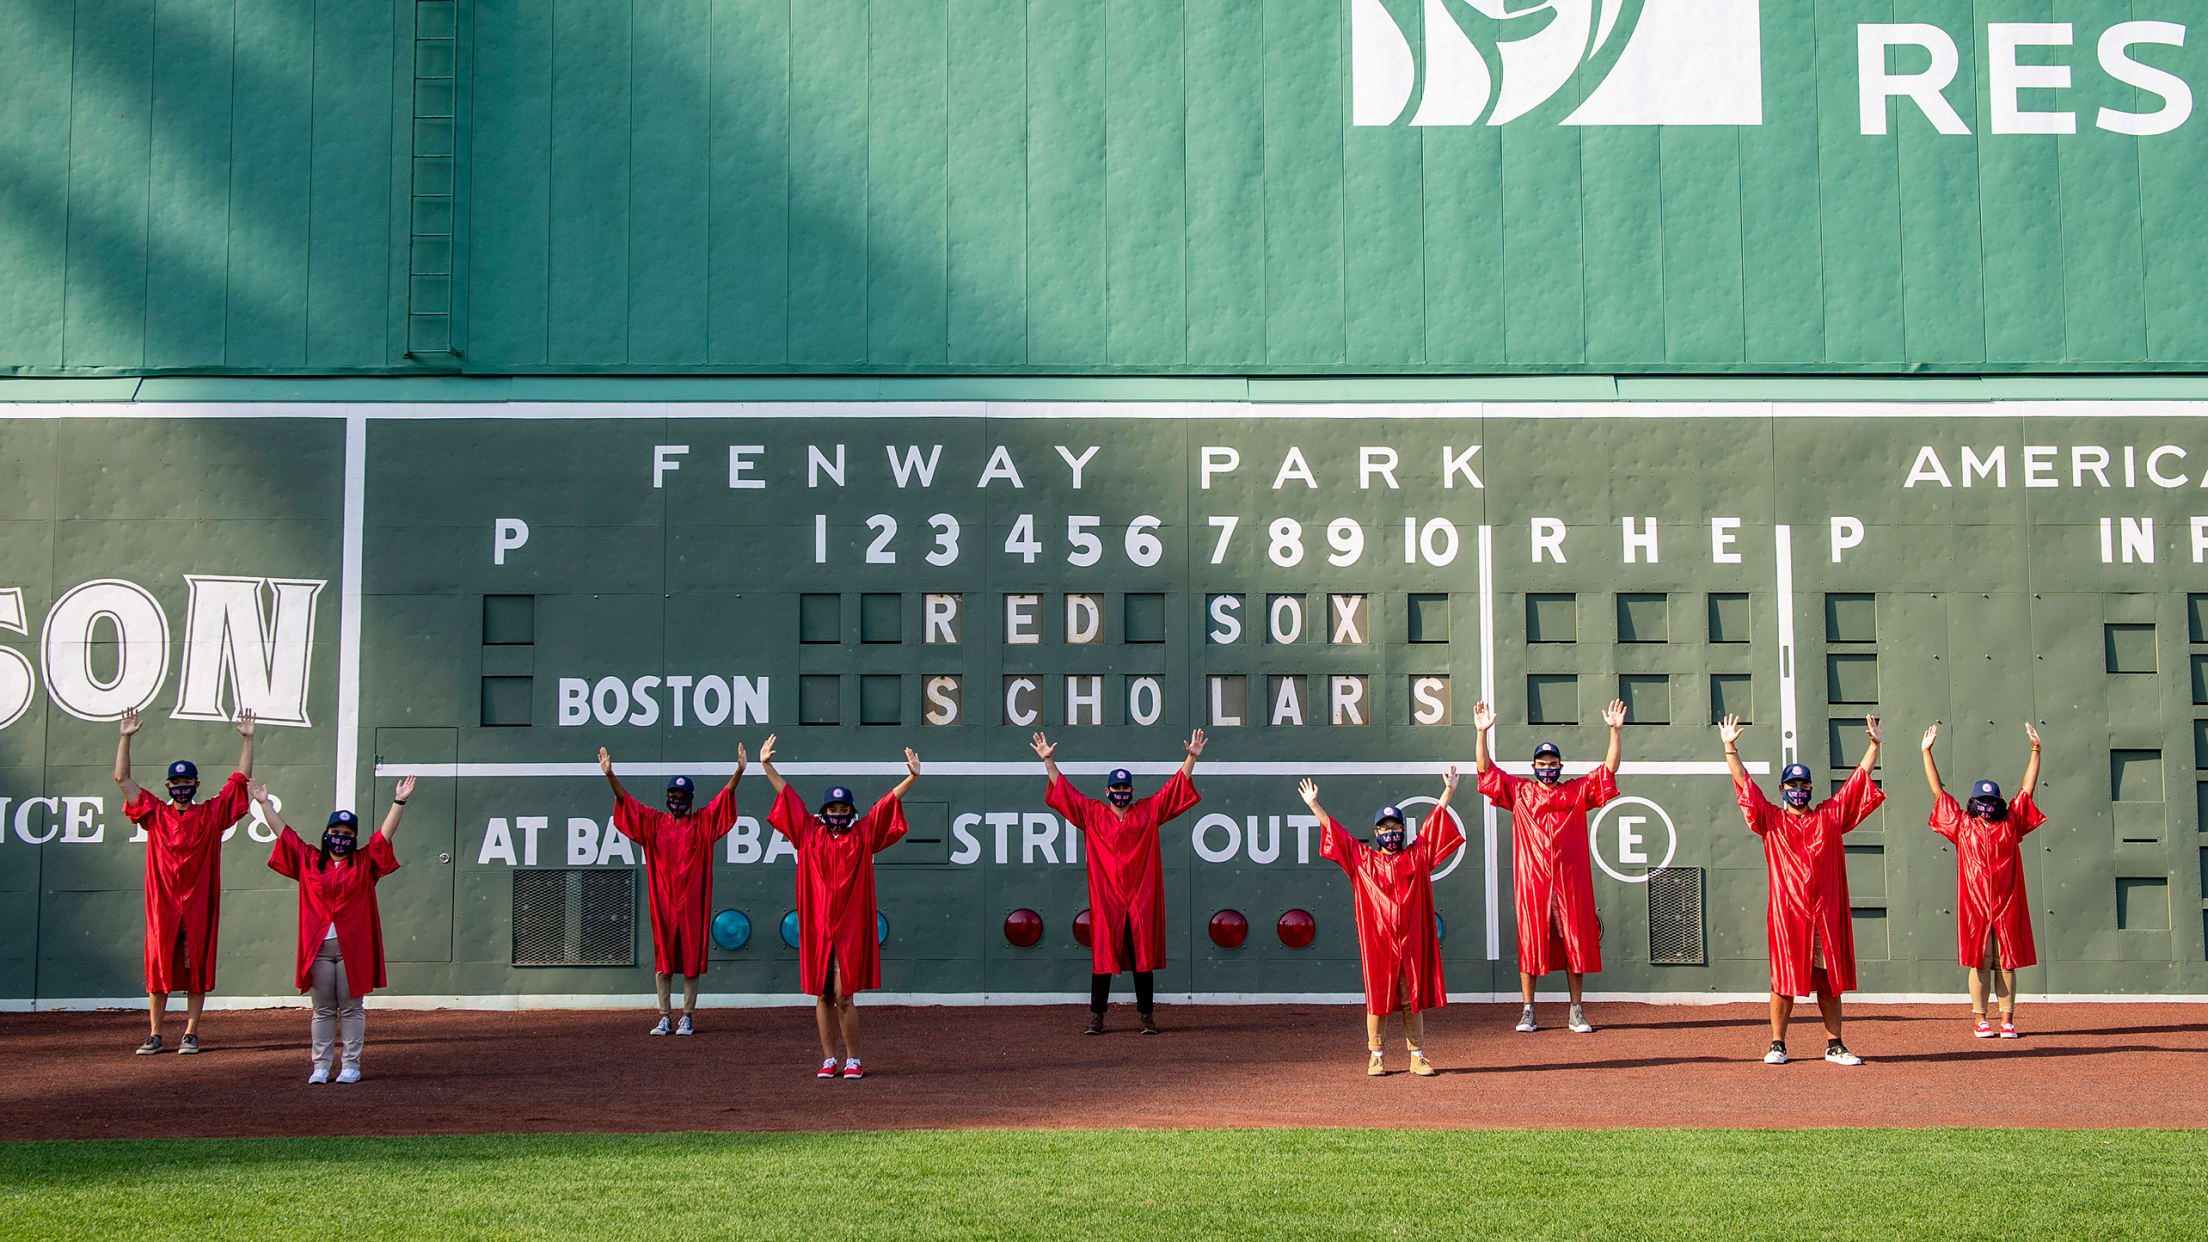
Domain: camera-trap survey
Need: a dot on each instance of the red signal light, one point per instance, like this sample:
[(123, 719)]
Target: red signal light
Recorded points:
[(1296, 928), (1229, 929), (1081, 928), (1024, 928)]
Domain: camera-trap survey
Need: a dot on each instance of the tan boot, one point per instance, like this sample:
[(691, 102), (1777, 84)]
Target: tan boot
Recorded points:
[(1421, 1066), (1377, 1068)]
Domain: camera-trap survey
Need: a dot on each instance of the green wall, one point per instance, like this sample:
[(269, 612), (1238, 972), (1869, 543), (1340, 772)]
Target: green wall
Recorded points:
[(1133, 186)]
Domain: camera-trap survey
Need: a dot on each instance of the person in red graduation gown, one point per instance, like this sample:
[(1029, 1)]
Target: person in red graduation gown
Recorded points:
[(1812, 941), (1552, 879), (678, 867), (1993, 919), (1126, 874), (1392, 887), (340, 939), (837, 952), (183, 877)]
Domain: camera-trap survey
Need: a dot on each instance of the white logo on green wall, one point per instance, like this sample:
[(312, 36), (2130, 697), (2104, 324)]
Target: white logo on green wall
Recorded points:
[(1644, 62)]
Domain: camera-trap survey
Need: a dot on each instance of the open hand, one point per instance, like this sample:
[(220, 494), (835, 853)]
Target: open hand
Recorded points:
[(1310, 791), (405, 789), (605, 762), (1483, 716), (2031, 733), (1449, 777), (1871, 727), (912, 761), (766, 749), (1042, 747), (132, 722), (1614, 715), (1730, 729), (244, 722), (257, 791), (1196, 743), (743, 758), (1931, 735)]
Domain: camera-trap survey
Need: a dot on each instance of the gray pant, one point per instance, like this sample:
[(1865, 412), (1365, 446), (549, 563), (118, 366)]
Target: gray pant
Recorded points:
[(336, 1009)]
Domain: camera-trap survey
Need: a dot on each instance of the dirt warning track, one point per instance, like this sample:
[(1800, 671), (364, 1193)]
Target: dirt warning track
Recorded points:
[(449, 1072)]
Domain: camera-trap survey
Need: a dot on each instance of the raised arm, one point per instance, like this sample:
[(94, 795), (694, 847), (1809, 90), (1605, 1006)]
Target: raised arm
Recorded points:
[(743, 760), (1728, 732), (1483, 719), (912, 774), (1195, 748), (1448, 788), (1932, 770), (1310, 791), (259, 793), (131, 724), (1614, 716), (1870, 752), (766, 765), (605, 765), (2031, 766), (390, 825), (1044, 748), (244, 726)]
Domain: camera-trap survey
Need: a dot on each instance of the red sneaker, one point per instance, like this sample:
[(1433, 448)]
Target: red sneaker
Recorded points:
[(827, 1069), (853, 1071), (2008, 1029), (1982, 1028)]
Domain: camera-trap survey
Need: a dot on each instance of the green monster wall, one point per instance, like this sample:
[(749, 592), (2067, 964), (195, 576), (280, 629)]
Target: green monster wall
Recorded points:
[(350, 349)]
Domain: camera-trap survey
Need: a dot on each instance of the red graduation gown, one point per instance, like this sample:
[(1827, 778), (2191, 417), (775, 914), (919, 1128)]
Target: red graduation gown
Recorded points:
[(835, 889), (1809, 880), (1394, 896), (1989, 881), (184, 883), (678, 868), (1126, 876), (341, 893), (1550, 871)]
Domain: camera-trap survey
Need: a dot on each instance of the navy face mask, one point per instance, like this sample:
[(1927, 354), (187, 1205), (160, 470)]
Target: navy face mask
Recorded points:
[(1389, 840), (1992, 810), (839, 822), (678, 803), (182, 795), (1121, 796), (1796, 796), (1548, 774), (338, 844)]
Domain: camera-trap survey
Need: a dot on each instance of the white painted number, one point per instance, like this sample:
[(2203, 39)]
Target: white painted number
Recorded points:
[(1287, 546), (1143, 547), (1087, 549), (878, 552), (1225, 526), (1021, 542), (946, 539), (1348, 541)]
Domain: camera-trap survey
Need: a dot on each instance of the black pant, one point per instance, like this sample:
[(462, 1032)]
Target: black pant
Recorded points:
[(1100, 986)]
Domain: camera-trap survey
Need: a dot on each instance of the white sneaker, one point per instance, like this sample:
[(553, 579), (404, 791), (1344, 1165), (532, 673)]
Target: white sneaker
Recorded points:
[(1838, 1054), (348, 1074), (853, 1071), (1777, 1055), (1525, 1018), (320, 1075), (1579, 1024), (683, 1027), (665, 1027)]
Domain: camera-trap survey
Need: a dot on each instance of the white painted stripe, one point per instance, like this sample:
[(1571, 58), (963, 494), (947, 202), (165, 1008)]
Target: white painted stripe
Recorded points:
[(1186, 411), (641, 1001), (1789, 723), (1490, 824), (1028, 767), (348, 617)]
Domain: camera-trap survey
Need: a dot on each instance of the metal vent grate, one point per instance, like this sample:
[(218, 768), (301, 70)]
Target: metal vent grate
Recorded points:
[(574, 916), (1675, 917)]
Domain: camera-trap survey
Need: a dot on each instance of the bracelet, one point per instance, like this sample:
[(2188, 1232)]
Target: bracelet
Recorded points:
[(398, 802)]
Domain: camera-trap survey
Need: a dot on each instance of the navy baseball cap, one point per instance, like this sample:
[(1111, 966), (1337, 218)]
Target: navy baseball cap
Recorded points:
[(835, 794), (1387, 813), (183, 770), (1985, 789), (1794, 772), (1120, 776), (1548, 749), (682, 783), (346, 818)]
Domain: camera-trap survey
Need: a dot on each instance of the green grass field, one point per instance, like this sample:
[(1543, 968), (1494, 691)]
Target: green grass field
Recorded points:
[(1119, 1186)]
